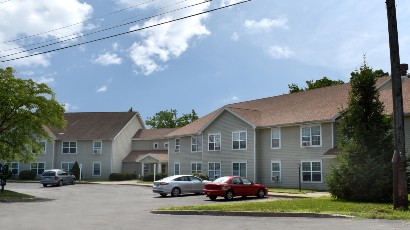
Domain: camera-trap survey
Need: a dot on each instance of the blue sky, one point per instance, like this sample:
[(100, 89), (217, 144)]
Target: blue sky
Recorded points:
[(248, 51)]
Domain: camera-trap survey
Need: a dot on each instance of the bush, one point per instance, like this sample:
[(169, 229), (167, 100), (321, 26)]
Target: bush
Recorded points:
[(122, 176), (202, 176), (150, 177), (27, 175), (76, 170)]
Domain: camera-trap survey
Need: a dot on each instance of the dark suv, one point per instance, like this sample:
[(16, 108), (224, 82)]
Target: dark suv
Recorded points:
[(56, 177)]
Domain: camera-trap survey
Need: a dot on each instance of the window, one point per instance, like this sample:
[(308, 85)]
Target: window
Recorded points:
[(214, 142), (43, 145), (176, 169), (166, 145), (311, 136), (14, 168), (97, 169), (214, 170), (67, 166), (69, 147), (196, 144), (275, 165), (239, 140), (196, 167), (275, 138), (312, 171), (97, 147), (177, 146), (146, 169), (239, 169), (163, 168), (155, 146), (38, 167)]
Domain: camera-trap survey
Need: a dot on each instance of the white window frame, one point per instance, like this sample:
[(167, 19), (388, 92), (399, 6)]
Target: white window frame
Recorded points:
[(44, 144), (69, 147), (239, 140), (214, 170), (311, 171), (68, 163), (175, 168), (166, 144), (94, 164), (155, 145), (15, 168), (309, 143), (276, 138), (215, 142), (96, 149), (38, 169), (273, 177), (240, 164), (194, 167), (197, 144), (177, 146)]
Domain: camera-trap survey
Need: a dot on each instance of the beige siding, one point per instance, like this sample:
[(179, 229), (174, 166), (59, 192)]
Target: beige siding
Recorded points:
[(184, 157), (148, 144), (290, 155)]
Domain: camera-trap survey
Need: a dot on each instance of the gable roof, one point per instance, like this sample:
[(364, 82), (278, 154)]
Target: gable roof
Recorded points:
[(94, 125), (317, 105), (152, 134), (138, 155)]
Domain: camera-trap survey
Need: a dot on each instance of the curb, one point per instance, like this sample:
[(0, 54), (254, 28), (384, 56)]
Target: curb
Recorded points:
[(252, 214)]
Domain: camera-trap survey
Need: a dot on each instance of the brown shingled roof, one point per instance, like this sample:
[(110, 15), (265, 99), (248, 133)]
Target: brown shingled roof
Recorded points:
[(93, 125), (316, 105), (150, 134), (137, 155)]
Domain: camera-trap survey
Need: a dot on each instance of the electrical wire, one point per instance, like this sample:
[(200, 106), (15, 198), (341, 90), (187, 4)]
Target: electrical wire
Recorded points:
[(131, 31)]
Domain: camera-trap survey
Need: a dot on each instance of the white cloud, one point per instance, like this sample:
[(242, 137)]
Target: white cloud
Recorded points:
[(229, 2), (168, 41), (266, 24), (68, 107), (235, 37), (279, 52), (26, 18), (231, 100), (108, 59), (46, 80), (102, 89), (115, 46)]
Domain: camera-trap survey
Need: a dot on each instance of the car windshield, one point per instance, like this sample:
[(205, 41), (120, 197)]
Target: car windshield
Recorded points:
[(49, 173), (221, 180)]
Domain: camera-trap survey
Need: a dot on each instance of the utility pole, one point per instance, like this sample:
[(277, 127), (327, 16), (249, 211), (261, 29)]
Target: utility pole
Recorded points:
[(400, 199)]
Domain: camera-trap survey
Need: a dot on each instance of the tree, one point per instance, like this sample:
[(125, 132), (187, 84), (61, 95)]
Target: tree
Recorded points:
[(26, 109), (365, 144), (76, 170), (169, 119), (324, 82)]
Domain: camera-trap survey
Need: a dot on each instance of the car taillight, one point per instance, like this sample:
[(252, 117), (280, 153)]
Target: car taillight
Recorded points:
[(163, 183)]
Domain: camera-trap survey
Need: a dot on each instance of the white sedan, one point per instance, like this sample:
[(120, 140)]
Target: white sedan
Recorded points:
[(179, 184)]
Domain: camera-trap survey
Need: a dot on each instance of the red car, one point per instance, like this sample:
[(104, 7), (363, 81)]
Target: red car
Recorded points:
[(231, 186)]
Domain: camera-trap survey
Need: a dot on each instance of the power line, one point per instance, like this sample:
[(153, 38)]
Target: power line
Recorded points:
[(131, 31), (78, 35)]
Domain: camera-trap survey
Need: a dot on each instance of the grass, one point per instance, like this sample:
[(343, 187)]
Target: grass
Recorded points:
[(290, 191), (13, 195), (324, 205)]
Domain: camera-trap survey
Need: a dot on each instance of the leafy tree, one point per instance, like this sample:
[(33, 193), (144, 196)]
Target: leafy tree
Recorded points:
[(169, 119), (365, 143), (76, 170), (324, 82), (26, 109)]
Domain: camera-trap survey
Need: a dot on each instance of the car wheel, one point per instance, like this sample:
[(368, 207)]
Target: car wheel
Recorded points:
[(44, 185), (60, 183), (229, 195), (73, 182), (175, 192), (261, 193), (212, 197), (163, 194)]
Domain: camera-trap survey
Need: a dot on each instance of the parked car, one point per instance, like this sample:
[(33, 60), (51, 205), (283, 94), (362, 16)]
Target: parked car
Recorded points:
[(179, 184), (231, 186), (56, 177)]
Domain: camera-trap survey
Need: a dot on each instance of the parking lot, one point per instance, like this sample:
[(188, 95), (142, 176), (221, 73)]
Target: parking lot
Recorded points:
[(89, 206)]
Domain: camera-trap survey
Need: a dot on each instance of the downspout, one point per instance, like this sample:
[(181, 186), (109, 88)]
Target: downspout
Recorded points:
[(112, 154), (52, 158), (254, 154)]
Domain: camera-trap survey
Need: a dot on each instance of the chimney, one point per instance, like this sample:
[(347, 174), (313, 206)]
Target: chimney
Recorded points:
[(403, 69)]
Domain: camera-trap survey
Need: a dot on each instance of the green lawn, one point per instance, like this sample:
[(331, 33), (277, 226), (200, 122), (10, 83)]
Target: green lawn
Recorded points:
[(15, 195), (290, 190), (325, 205)]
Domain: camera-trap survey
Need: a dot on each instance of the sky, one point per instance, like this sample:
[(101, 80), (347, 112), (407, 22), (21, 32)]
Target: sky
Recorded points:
[(153, 55)]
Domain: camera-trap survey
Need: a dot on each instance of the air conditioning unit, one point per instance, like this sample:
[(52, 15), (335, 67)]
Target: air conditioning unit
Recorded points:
[(97, 151), (177, 150), (305, 144)]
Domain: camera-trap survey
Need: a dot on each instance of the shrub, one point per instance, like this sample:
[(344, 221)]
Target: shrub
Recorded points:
[(27, 175), (150, 177), (122, 176), (76, 170), (202, 176)]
